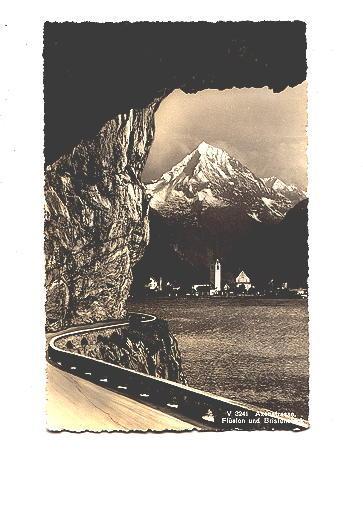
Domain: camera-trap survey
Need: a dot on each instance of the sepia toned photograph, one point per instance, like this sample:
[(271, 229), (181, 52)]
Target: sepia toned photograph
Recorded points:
[(176, 226)]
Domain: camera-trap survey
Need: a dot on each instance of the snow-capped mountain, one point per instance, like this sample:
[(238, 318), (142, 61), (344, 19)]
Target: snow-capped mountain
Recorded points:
[(291, 192), (210, 205), (209, 178)]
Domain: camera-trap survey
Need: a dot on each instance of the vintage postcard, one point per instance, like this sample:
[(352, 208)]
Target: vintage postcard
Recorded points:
[(176, 226)]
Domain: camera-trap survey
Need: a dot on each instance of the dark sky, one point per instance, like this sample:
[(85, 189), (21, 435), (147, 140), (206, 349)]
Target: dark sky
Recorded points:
[(264, 130)]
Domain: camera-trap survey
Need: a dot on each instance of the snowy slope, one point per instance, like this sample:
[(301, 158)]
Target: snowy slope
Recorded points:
[(209, 178), (291, 192)]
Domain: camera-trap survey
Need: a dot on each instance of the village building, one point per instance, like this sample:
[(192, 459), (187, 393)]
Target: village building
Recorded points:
[(243, 281), (201, 289), (155, 284), (152, 284)]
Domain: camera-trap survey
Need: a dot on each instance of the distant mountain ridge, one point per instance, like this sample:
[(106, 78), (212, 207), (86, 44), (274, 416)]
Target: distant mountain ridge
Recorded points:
[(291, 192), (209, 177)]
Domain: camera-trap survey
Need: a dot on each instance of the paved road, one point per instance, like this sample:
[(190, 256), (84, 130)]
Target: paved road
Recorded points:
[(75, 404)]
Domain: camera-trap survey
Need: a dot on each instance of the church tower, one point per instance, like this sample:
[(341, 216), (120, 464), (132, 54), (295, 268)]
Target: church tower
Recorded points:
[(218, 276)]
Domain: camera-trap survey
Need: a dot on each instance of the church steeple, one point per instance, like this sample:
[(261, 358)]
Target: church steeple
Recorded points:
[(218, 275)]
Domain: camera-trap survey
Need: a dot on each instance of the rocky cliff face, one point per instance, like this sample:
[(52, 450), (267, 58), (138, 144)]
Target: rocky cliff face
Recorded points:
[(96, 225), (148, 348)]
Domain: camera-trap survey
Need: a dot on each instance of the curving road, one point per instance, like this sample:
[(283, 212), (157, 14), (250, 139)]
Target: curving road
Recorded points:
[(52, 337), (75, 404), (79, 404)]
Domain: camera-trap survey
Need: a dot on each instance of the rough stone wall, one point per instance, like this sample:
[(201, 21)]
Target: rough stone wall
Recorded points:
[(148, 348), (96, 225)]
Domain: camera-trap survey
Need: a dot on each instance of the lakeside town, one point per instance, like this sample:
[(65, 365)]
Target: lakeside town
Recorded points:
[(221, 285)]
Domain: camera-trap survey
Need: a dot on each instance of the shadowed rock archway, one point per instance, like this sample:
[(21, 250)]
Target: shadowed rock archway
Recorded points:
[(102, 85)]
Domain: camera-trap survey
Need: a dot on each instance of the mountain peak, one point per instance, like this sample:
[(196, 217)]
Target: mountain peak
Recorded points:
[(204, 147), (210, 151), (209, 177)]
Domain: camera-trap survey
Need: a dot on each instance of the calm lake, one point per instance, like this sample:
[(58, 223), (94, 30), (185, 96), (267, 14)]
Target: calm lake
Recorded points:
[(252, 350)]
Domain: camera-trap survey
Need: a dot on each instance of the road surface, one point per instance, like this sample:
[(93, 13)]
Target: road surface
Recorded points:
[(75, 404)]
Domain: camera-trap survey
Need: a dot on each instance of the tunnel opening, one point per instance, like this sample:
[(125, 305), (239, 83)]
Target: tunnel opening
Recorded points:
[(100, 102), (224, 168)]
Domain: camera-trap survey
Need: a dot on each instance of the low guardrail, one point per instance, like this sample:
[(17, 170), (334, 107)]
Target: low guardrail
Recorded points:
[(205, 410)]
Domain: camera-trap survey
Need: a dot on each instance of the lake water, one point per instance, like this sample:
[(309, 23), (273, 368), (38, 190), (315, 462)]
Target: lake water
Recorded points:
[(246, 349)]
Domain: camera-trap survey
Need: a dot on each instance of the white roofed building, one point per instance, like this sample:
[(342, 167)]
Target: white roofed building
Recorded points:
[(243, 280)]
